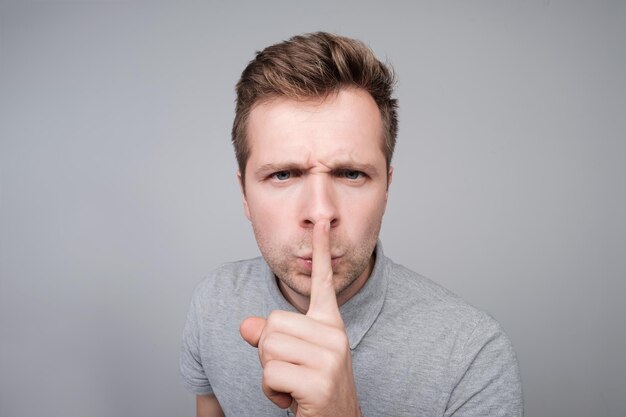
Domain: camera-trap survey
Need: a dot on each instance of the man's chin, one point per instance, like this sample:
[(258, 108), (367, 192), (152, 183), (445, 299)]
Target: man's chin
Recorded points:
[(299, 283)]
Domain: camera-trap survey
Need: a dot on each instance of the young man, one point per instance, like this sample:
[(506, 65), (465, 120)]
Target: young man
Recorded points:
[(324, 324)]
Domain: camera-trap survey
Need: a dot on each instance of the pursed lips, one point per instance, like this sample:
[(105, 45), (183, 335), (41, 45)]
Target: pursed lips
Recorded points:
[(307, 261)]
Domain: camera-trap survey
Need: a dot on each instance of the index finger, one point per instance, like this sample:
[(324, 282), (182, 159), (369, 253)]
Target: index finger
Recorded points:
[(323, 303)]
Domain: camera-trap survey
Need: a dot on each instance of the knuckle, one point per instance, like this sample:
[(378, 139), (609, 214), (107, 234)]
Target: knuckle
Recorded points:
[(271, 318), (269, 372), (269, 342), (274, 318), (338, 340), (331, 360)]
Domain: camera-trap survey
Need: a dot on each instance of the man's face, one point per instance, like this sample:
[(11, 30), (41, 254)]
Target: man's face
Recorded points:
[(316, 160)]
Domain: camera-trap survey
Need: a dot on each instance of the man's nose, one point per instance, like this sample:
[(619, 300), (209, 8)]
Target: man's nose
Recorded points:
[(319, 202)]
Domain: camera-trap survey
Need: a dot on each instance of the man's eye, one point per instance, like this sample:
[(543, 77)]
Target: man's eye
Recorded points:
[(352, 174), (282, 175)]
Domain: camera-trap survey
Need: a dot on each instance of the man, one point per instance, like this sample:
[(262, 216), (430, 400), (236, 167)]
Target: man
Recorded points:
[(324, 324)]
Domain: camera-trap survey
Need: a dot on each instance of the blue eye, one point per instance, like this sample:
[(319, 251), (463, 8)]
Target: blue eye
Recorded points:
[(282, 175), (352, 175)]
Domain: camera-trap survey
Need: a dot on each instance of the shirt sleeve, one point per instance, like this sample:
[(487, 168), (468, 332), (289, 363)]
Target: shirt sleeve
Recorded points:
[(487, 381), (193, 376)]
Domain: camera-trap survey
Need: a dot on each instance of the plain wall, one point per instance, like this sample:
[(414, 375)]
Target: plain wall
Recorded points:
[(118, 191)]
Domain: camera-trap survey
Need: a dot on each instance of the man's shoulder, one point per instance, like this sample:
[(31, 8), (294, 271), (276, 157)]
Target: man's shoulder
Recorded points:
[(408, 283), (455, 339), (421, 296), (232, 291), (233, 277)]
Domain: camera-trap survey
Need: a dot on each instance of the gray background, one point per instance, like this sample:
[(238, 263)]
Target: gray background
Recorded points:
[(118, 191)]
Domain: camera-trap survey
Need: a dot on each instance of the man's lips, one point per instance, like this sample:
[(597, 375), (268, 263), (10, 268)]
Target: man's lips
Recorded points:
[(307, 262)]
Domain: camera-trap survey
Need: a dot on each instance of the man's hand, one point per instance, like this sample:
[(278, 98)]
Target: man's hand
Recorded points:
[(307, 358)]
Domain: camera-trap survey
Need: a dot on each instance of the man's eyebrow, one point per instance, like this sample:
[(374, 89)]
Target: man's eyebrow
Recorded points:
[(273, 167), (356, 166), (351, 165)]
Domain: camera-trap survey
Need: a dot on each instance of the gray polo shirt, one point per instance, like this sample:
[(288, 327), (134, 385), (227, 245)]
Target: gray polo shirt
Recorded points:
[(417, 349)]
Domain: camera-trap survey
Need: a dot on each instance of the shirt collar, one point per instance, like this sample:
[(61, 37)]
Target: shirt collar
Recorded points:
[(358, 313)]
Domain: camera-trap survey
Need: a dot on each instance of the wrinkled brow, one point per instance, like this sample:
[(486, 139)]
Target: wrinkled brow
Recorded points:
[(270, 168), (267, 169)]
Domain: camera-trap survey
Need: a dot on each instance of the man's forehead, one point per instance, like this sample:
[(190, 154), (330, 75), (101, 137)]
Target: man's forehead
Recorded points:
[(289, 114), (341, 125), (331, 152), (337, 105)]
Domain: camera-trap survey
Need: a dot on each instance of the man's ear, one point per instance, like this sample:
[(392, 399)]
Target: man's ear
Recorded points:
[(242, 188)]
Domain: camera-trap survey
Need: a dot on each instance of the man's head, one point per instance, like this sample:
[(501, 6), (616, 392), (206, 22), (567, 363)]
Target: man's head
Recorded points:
[(314, 133), (313, 66)]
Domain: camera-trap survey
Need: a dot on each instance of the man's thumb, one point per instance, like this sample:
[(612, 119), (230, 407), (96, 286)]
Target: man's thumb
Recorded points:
[(251, 329)]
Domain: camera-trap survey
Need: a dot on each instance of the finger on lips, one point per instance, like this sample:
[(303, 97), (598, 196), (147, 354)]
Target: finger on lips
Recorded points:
[(294, 347), (323, 301)]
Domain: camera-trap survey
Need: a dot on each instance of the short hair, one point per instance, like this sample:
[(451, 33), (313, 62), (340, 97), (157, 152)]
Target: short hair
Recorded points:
[(312, 66)]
